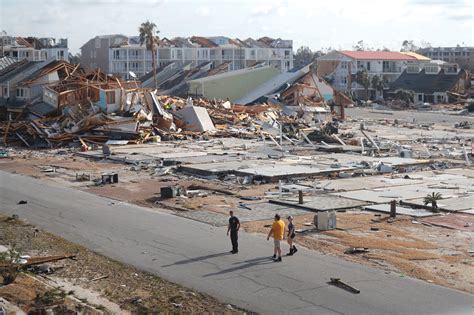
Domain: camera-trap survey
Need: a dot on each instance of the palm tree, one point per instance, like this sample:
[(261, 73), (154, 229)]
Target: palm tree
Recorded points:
[(432, 199), (147, 36), (377, 83), (362, 77)]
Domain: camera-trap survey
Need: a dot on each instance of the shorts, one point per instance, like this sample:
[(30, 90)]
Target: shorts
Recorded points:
[(277, 243)]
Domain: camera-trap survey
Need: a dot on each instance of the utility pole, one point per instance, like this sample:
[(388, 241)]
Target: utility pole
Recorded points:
[(4, 33)]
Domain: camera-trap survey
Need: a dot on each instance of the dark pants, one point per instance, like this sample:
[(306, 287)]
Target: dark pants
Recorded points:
[(233, 238)]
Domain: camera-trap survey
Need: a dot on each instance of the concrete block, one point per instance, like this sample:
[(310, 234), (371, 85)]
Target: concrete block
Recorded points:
[(196, 118)]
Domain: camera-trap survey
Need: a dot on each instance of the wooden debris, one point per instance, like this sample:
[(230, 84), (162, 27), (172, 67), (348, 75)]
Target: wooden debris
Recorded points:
[(338, 283)]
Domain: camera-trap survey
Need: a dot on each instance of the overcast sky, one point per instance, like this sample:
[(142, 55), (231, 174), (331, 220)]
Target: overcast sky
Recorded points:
[(315, 23)]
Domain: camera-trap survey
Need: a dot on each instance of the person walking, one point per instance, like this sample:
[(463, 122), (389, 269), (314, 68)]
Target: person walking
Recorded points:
[(278, 233), (291, 236), (233, 228)]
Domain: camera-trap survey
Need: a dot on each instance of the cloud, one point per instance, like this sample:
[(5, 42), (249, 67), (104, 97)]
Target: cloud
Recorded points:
[(459, 17), (445, 4), (204, 11), (262, 11)]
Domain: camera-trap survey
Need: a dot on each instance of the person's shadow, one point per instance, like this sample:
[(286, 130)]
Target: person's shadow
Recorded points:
[(265, 260), (197, 259)]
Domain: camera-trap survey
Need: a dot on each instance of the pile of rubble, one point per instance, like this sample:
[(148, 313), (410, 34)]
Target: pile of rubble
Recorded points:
[(142, 116), (88, 109)]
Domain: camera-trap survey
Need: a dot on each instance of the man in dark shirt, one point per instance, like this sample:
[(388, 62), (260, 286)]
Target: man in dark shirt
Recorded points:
[(233, 228)]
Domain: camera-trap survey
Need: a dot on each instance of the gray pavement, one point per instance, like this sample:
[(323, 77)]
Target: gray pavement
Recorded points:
[(420, 116), (195, 255)]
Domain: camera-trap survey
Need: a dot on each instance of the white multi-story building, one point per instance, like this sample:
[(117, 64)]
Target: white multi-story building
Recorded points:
[(340, 67), (129, 55), (34, 49)]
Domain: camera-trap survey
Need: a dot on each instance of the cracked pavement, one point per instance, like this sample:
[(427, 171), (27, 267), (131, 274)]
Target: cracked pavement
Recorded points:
[(196, 255)]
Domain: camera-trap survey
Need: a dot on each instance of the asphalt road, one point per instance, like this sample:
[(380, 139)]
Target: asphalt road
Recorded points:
[(195, 255)]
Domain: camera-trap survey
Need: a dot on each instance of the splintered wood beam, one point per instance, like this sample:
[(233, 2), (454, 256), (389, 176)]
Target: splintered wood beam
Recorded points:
[(6, 132)]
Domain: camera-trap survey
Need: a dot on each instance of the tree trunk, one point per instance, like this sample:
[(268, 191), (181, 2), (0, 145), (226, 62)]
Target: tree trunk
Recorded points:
[(434, 205), (366, 94), (153, 64)]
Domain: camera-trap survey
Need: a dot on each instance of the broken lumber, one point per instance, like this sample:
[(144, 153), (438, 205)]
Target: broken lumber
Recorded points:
[(338, 283)]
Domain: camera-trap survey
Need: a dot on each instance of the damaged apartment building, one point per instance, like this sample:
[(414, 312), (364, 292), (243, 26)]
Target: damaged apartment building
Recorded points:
[(119, 54), (340, 68), (34, 49)]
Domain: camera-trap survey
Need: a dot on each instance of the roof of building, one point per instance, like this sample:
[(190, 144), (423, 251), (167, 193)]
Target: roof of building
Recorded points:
[(202, 41), (208, 42), (63, 68), (6, 61), (111, 36), (17, 69), (376, 55), (426, 83), (416, 55)]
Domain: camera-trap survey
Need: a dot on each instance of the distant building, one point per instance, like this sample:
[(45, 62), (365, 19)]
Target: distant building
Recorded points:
[(95, 53), (432, 82), (463, 56), (33, 48), (126, 54), (340, 67)]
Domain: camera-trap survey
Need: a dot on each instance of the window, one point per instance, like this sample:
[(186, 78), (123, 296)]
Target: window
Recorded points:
[(97, 43), (431, 69), (413, 69), (420, 97), (344, 65), (344, 80), (368, 65), (110, 97), (21, 93), (116, 54)]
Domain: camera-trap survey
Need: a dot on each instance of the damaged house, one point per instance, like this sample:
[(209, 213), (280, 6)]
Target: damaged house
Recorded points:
[(35, 49), (432, 82), (22, 83), (340, 68)]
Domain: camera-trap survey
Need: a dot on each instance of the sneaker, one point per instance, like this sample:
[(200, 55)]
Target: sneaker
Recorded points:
[(274, 257), (278, 259), (289, 254), (294, 249), (235, 252)]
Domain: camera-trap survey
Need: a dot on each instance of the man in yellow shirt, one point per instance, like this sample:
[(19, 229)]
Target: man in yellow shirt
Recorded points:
[(278, 232)]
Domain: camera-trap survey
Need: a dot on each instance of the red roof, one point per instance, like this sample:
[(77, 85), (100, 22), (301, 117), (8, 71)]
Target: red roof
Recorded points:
[(376, 55)]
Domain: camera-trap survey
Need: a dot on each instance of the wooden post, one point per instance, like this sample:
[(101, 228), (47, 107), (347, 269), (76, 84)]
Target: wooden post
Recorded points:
[(393, 208), (300, 197)]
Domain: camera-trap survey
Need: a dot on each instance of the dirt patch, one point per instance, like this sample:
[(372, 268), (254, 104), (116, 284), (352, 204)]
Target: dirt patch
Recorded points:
[(132, 289), (430, 253)]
